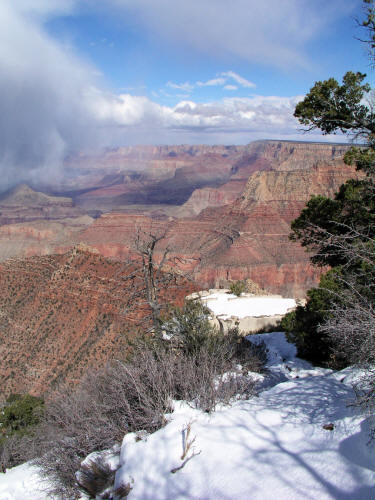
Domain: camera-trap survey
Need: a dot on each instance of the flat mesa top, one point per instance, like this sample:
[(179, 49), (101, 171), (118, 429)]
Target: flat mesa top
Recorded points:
[(225, 305)]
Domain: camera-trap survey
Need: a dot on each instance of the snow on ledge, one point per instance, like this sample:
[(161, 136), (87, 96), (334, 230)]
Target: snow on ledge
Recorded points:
[(226, 305)]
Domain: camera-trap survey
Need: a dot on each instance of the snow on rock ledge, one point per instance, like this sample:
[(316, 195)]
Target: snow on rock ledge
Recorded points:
[(249, 312)]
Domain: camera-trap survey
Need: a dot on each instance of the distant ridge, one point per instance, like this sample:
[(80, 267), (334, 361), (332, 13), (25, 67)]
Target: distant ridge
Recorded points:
[(322, 143), (24, 195)]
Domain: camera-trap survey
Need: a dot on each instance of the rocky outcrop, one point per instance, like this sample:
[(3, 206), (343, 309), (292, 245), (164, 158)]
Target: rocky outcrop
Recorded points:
[(23, 204)]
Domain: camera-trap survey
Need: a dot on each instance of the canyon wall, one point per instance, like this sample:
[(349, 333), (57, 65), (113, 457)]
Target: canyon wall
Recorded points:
[(235, 228), (61, 314)]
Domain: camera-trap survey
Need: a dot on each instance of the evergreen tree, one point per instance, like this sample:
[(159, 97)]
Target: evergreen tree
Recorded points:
[(341, 231)]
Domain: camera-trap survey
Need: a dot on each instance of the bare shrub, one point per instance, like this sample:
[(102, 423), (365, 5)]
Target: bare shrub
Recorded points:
[(16, 449), (135, 395), (94, 476), (351, 328)]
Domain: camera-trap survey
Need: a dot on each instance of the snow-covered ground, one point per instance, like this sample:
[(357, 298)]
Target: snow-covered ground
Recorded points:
[(273, 446), (270, 447), (22, 483), (226, 305)]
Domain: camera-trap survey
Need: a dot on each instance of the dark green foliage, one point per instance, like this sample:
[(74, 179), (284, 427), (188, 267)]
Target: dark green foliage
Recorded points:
[(332, 107), (362, 158), (237, 288), (19, 417), (190, 328), (302, 325), (20, 413), (352, 210)]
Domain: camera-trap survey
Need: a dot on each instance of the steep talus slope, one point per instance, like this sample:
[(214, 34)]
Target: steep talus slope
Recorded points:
[(61, 314)]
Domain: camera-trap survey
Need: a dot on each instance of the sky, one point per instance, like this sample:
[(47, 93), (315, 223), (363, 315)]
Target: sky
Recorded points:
[(80, 75)]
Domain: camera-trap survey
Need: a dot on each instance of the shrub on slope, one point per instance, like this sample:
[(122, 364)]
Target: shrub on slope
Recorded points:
[(135, 394)]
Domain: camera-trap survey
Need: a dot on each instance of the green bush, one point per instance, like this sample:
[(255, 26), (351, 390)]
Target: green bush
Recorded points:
[(19, 417), (302, 324), (20, 413), (237, 287), (190, 328)]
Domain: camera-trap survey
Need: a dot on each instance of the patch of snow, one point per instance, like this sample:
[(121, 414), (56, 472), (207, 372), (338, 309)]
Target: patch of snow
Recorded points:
[(227, 305), (275, 446), (22, 483), (282, 363)]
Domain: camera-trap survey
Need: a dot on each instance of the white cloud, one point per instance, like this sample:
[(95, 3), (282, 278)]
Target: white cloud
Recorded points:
[(272, 32), (221, 80), (227, 121), (213, 82), (186, 87), (238, 79), (230, 120), (46, 94)]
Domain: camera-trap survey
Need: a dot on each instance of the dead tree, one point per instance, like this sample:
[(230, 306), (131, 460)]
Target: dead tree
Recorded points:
[(153, 273)]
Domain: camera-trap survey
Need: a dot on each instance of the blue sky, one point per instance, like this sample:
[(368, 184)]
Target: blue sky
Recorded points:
[(134, 55), (81, 75)]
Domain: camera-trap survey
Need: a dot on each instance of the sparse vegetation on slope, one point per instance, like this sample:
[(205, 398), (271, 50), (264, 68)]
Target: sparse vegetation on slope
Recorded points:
[(135, 394), (61, 314)]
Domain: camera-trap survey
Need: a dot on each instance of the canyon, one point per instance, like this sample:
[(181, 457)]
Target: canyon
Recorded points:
[(225, 212), (71, 285)]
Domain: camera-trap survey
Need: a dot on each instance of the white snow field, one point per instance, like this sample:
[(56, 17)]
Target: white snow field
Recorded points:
[(22, 483), (225, 305), (272, 446)]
